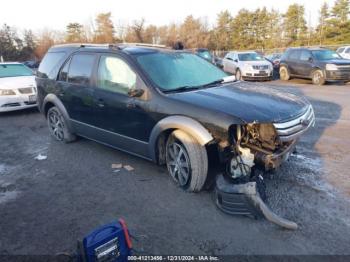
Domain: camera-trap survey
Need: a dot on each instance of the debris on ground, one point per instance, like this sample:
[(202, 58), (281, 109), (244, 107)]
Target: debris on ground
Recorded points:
[(117, 166), (40, 157), (129, 168)]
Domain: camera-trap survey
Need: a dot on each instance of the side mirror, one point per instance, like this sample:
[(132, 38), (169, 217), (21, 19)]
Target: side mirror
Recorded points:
[(236, 60), (310, 59), (135, 92)]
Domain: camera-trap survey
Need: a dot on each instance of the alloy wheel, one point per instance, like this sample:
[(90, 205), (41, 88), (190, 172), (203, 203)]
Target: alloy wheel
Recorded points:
[(56, 125), (178, 163), (317, 78), (283, 74)]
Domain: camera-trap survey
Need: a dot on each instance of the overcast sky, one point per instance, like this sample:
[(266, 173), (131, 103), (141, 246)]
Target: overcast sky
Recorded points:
[(40, 14)]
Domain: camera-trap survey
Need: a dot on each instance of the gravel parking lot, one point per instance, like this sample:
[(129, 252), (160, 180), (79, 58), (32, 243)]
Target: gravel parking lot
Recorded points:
[(45, 206)]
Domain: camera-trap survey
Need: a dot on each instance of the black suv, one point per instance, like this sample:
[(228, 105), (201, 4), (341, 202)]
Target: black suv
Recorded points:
[(171, 107), (318, 64)]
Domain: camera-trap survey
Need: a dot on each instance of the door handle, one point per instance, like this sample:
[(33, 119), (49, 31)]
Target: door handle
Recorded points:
[(61, 94)]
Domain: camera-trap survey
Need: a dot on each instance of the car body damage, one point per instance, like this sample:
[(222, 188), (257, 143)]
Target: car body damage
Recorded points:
[(256, 122)]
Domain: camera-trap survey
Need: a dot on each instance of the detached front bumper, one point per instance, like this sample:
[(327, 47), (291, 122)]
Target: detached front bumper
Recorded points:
[(17, 102)]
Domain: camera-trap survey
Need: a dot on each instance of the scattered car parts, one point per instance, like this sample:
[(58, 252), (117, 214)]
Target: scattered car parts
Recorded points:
[(244, 199)]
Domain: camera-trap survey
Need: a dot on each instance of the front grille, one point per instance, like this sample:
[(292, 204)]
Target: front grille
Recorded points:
[(292, 129), (26, 90), (260, 67)]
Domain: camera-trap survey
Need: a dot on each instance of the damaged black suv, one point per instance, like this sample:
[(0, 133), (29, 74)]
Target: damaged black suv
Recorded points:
[(171, 107)]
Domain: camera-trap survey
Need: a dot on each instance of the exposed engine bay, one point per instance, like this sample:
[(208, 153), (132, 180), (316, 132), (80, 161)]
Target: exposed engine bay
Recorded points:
[(258, 145)]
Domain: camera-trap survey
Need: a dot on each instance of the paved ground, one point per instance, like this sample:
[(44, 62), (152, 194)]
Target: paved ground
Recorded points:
[(46, 205)]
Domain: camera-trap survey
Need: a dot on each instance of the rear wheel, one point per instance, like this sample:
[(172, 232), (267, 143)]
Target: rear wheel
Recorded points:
[(284, 74), (58, 127), (187, 161), (318, 78)]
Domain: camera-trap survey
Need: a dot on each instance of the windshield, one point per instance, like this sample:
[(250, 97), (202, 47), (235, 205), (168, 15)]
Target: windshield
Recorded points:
[(325, 55), (205, 55), (175, 70), (250, 57), (13, 70)]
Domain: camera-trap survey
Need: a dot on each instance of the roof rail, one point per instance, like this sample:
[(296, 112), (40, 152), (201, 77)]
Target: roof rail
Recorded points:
[(142, 44), (111, 46)]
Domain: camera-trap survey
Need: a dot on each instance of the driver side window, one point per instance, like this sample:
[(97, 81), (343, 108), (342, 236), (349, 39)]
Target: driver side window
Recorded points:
[(115, 75)]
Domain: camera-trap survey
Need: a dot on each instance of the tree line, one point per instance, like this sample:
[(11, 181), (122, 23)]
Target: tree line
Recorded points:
[(259, 29)]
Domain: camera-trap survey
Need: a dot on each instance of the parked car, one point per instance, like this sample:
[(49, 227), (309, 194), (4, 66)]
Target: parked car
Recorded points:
[(344, 52), (170, 107), (204, 53), (33, 64), (318, 64), (275, 60), (218, 62), (17, 87), (247, 66)]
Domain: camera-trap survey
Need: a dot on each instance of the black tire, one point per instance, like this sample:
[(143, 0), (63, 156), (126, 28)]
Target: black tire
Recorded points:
[(284, 74), (196, 157), (58, 127), (318, 77), (238, 75)]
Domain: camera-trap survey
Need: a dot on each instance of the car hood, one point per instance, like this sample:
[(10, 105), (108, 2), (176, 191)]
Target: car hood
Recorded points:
[(248, 102), (337, 61), (255, 63), (17, 82)]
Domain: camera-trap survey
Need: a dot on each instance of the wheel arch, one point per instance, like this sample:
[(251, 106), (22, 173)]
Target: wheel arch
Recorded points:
[(52, 100), (285, 65), (164, 127)]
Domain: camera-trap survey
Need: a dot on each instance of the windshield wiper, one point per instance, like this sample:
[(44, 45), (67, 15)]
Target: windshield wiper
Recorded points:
[(181, 89), (210, 84), (220, 81)]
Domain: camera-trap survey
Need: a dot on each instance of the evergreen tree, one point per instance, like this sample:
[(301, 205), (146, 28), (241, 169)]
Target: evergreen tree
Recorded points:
[(75, 33), (104, 32)]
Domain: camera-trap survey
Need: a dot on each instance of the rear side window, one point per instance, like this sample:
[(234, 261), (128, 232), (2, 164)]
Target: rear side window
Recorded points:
[(347, 50), (80, 69), (294, 55), (47, 66)]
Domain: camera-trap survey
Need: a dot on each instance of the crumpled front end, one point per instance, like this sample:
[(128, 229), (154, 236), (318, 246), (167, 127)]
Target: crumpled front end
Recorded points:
[(256, 147), (267, 145)]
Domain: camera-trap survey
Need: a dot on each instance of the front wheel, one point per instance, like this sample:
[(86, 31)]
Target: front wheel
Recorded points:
[(318, 78), (238, 75), (187, 161)]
